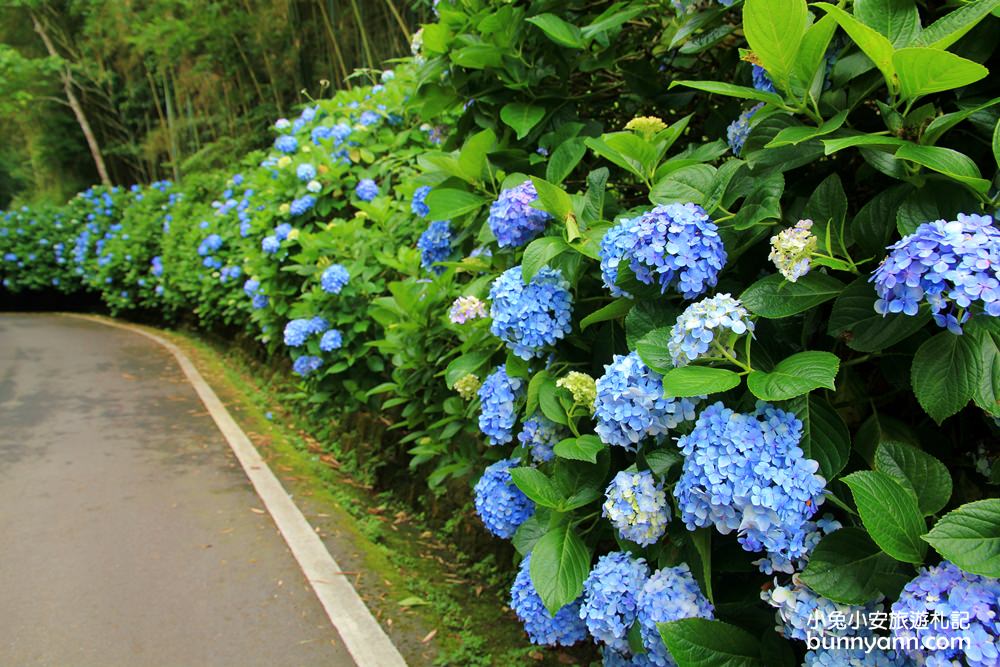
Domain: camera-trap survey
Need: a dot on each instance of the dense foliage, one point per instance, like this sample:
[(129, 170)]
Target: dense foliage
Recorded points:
[(702, 299)]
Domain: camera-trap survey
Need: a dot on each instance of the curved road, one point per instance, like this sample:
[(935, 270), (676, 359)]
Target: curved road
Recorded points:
[(128, 532)]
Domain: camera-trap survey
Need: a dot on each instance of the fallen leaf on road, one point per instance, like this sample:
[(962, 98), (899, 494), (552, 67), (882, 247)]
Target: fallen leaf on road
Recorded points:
[(430, 636), (256, 511)]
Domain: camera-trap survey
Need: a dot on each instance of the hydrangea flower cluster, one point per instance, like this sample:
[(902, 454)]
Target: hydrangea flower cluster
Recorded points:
[(610, 598), (762, 80), (366, 189), (252, 289), (334, 278), (298, 331), (466, 308), (513, 220), (564, 629), (210, 244), (286, 143), (497, 397), (581, 386), (305, 172), (746, 472), (814, 532), (801, 612), (302, 205), (467, 386), (306, 365), (674, 246), (613, 658), (419, 202), (637, 507), (435, 245), (696, 328), (944, 589), (951, 265), (630, 405), (499, 503), (739, 130), (792, 249), (528, 318), (270, 245), (331, 340), (669, 595), (540, 434)]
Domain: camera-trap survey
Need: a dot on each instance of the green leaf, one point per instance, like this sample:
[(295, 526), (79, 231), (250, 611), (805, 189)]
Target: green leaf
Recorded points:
[(825, 437), (699, 642), (876, 46), (774, 30), (529, 532), (791, 136), (559, 564), (987, 394), (898, 20), (950, 28), (584, 448), (946, 161), (614, 310), (516, 366), (548, 401), (996, 143), (731, 90), (854, 319), (652, 349), (763, 203), (890, 514), (827, 208), (687, 184), (612, 18), (794, 376), (564, 159), (477, 56), (970, 537), (809, 71), (472, 161), (449, 203), (941, 202), (552, 199), (941, 124), (534, 387), (697, 381), (461, 366), (559, 31), (539, 253), (831, 146), (845, 566), (521, 117), (537, 486), (945, 374), (774, 297), (647, 315), (923, 70), (925, 476), (660, 461), (875, 223)]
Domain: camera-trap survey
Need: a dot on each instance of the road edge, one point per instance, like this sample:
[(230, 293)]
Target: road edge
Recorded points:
[(364, 638)]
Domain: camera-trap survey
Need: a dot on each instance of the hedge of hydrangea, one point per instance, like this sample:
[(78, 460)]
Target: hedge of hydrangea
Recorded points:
[(711, 334)]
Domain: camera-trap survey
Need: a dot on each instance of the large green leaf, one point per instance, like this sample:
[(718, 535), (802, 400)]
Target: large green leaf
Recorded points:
[(970, 537), (825, 437), (987, 394), (645, 316), (845, 567), (794, 376), (875, 45), (652, 349), (898, 20), (791, 136), (890, 514), (584, 448), (923, 70), (774, 297), (521, 117), (774, 30), (537, 486), (926, 477), (697, 381), (687, 184), (559, 564), (539, 253), (731, 90), (945, 374), (699, 642), (946, 161), (612, 311), (809, 72), (564, 159), (449, 203), (952, 27), (559, 31), (996, 143), (854, 319)]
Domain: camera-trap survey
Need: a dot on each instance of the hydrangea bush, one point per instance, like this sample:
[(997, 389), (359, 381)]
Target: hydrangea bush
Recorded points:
[(697, 303)]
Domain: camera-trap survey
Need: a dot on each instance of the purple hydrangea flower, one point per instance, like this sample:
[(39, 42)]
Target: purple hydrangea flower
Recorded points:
[(529, 318), (513, 220), (564, 629)]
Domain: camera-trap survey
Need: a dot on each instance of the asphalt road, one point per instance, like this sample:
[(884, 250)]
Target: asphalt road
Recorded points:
[(129, 535)]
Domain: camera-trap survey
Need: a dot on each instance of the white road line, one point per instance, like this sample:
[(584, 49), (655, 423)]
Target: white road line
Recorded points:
[(363, 636)]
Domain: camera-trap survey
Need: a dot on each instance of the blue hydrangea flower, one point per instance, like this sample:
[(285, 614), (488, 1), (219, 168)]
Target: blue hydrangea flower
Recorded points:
[(157, 266), (846, 657), (286, 143), (637, 507), (297, 331), (270, 245), (630, 405), (746, 472), (305, 172), (700, 323), (540, 434), (210, 244), (945, 589), (499, 503), (564, 629), (610, 598), (669, 595), (302, 205), (762, 80), (331, 340), (512, 219), (366, 189), (252, 289), (739, 130), (613, 658), (814, 532), (674, 246), (954, 266), (318, 325), (497, 397), (529, 318), (802, 612), (307, 365), (282, 231), (435, 245), (419, 203), (369, 118), (334, 278)]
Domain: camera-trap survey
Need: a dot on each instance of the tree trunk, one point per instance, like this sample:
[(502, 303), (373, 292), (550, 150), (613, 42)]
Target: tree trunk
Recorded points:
[(74, 103)]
